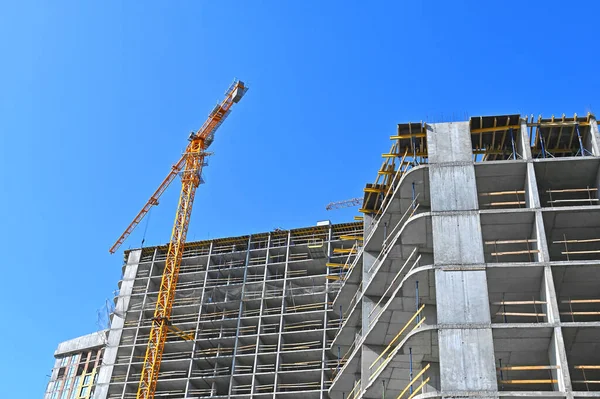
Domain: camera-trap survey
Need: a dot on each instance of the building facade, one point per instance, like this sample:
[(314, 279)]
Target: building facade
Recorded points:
[(480, 270), (259, 307), (76, 367)]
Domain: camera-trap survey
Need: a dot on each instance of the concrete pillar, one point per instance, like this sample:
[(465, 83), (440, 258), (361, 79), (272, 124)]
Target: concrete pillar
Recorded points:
[(556, 351), (240, 313), (283, 309), (525, 141), (369, 258), (369, 222), (557, 356), (594, 137), (368, 355), (260, 315), (188, 384), (540, 235), (465, 340), (532, 197)]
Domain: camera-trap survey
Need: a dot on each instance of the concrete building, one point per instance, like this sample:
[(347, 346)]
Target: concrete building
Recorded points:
[(480, 272), (475, 272), (259, 307), (76, 367)]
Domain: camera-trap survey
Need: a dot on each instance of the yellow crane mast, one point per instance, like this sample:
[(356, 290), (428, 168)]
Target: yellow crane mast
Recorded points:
[(190, 168)]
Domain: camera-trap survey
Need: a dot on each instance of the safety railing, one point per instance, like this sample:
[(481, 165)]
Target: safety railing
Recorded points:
[(503, 199), (586, 381), (265, 368), (306, 365), (506, 311), (212, 372), (516, 248), (355, 298), (505, 380), (299, 386), (390, 237), (573, 196), (391, 285), (356, 391), (403, 168), (584, 314), (580, 247), (344, 359), (295, 346), (346, 267), (201, 392), (382, 360), (420, 388), (304, 325)]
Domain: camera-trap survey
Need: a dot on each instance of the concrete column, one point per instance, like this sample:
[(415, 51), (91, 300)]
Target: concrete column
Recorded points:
[(525, 141), (557, 356), (260, 315), (532, 197), (116, 328), (137, 332), (548, 295), (240, 315), (369, 258), (466, 347), (325, 317), (540, 234), (556, 352), (368, 223), (368, 355), (202, 298), (283, 306), (594, 136)]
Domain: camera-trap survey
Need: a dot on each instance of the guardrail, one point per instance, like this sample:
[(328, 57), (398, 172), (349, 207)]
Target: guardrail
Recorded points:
[(390, 348)]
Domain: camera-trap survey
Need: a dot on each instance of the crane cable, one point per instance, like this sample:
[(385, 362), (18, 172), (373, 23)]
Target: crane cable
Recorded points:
[(146, 228)]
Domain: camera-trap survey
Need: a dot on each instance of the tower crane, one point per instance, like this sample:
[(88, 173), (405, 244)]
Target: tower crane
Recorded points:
[(344, 204), (190, 168)]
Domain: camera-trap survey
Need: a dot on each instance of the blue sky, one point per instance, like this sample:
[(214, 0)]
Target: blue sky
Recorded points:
[(97, 100)]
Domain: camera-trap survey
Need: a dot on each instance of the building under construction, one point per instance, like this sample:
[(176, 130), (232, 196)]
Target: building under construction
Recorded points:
[(475, 272)]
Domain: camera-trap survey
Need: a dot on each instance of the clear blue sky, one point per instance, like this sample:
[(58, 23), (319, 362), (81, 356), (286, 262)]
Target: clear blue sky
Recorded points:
[(97, 100)]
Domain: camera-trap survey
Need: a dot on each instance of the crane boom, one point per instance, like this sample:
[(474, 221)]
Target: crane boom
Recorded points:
[(190, 169), (344, 204), (149, 204), (233, 94)]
